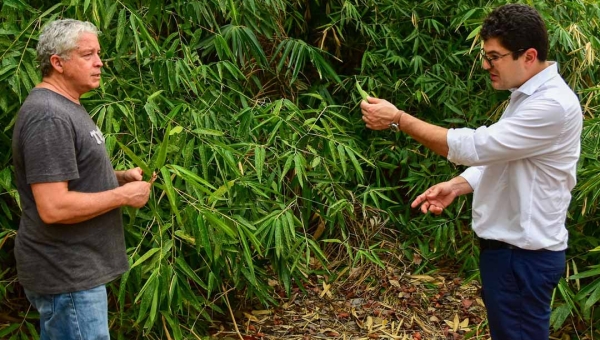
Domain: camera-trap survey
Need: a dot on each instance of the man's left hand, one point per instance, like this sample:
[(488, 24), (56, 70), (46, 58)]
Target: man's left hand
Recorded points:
[(378, 114), (130, 175)]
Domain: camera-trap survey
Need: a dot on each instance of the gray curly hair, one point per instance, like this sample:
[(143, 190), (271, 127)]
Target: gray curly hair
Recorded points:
[(60, 37)]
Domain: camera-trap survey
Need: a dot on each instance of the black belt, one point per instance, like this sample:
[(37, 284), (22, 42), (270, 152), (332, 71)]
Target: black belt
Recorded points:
[(494, 245)]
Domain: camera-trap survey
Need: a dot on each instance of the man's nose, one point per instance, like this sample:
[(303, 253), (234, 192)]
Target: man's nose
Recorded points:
[(486, 64), (98, 61)]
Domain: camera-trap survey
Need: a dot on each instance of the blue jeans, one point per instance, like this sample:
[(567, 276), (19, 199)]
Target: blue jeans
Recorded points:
[(517, 289), (72, 316)]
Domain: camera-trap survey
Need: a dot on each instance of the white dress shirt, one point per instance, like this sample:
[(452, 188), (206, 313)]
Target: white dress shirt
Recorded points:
[(524, 167)]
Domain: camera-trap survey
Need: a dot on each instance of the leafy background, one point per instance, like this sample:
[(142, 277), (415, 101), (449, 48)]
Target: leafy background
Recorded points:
[(248, 112)]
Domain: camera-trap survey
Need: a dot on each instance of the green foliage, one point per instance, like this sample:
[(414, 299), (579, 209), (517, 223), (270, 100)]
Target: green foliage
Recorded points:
[(247, 111)]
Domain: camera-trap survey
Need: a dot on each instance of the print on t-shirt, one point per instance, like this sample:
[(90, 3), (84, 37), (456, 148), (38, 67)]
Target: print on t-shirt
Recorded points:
[(97, 134)]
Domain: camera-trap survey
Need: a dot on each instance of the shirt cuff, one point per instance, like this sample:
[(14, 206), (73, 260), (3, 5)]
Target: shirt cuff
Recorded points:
[(472, 175)]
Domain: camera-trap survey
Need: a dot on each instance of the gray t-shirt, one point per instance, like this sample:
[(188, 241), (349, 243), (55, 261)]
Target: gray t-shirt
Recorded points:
[(55, 140)]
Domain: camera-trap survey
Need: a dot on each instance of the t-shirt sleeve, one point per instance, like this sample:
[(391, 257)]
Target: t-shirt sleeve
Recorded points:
[(49, 151)]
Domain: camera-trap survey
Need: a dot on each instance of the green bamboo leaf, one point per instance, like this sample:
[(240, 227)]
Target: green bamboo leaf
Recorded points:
[(33, 334), (170, 191), (190, 176), (138, 44), (144, 257), (259, 161), (148, 38), (208, 132), (247, 255), (204, 237), (145, 296), (299, 166), (594, 297), (174, 325), (11, 328), (217, 222), (162, 152), (32, 73), (190, 274), (474, 33), (342, 156), (588, 273), (185, 236), (560, 315), (354, 161), (120, 29), (289, 227), (364, 95), (288, 164), (220, 192), (153, 308), (176, 130), (19, 5), (274, 133), (6, 69), (278, 239), (233, 11), (123, 288), (136, 160), (174, 293)]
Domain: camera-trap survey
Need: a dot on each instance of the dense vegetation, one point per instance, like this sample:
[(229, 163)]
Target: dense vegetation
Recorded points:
[(247, 110)]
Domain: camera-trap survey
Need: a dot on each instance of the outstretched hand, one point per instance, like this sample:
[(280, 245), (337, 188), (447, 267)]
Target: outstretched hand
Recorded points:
[(436, 198)]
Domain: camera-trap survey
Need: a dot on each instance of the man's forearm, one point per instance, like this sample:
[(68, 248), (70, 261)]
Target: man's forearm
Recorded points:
[(460, 186), (431, 136), (66, 207)]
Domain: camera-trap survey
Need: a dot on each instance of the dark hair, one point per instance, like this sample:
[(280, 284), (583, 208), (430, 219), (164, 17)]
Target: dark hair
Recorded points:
[(517, 27)]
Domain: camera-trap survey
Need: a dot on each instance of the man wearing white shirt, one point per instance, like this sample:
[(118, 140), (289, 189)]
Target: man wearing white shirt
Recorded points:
[(522, 170)]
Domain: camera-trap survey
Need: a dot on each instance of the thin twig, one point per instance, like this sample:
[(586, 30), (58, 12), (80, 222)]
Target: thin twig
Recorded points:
[(231, 313)]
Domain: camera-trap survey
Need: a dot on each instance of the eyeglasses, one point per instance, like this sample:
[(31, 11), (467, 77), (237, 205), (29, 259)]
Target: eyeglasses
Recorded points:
[(495, 57)]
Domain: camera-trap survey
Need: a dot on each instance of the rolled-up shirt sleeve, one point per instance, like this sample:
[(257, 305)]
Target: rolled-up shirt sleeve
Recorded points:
[(526, 133), (473, 175)]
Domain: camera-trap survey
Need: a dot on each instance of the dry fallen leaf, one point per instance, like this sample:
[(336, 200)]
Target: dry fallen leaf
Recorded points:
[(261, 312), (425, 278), (250, 317), (467, 303), (395, 283), (457, 325), (326, 288)]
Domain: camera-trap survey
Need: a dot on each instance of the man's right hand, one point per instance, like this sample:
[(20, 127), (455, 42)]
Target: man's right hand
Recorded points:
[(436, 198), (439, 196), (136, 193)]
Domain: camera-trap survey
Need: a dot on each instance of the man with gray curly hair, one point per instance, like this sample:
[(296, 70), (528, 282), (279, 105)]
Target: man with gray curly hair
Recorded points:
[(70, 241)]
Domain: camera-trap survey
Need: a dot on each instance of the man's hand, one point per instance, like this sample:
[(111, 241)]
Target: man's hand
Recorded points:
[(134, 188), (378, 114), (136, 193), (131, 175), (436, 198)]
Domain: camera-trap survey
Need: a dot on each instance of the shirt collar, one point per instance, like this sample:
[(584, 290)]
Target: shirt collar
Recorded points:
[(530, 86)]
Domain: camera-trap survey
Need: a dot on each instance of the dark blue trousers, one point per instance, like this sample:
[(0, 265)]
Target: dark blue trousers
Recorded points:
[(517, 289)]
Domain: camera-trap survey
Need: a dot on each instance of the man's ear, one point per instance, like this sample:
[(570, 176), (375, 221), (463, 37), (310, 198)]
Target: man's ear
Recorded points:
[(56, 63), (531, 55)]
